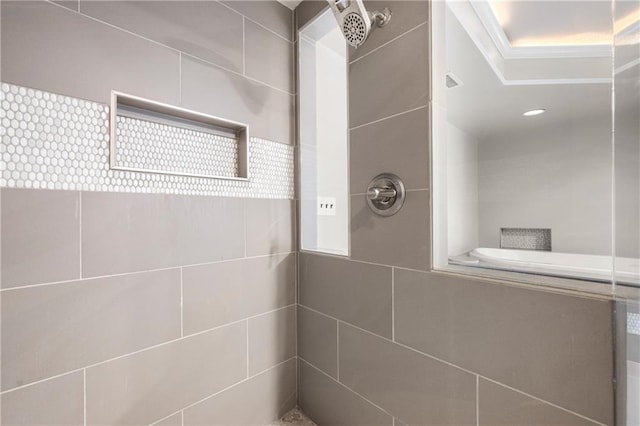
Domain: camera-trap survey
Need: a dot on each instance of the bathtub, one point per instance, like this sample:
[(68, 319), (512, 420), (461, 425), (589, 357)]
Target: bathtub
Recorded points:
[(582, 266)]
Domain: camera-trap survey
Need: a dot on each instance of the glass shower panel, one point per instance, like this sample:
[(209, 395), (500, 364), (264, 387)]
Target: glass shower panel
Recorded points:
[(524, 100), (627, 207)]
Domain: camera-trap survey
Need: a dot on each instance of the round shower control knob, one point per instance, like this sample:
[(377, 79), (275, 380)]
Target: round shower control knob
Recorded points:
[(385, 194)]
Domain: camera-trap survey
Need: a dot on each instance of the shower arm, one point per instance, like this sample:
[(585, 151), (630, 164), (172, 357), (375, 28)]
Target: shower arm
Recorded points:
[(380, 18)]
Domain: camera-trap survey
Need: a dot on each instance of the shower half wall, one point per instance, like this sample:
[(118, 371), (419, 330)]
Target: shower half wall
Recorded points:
[(382, 340)]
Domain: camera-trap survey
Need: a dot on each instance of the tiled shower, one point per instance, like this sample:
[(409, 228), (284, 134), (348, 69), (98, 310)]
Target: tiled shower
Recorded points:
[(137, 298)]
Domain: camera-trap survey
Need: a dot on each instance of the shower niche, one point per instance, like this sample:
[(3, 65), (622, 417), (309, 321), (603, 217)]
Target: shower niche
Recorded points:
[(152, 137), (323, 136)]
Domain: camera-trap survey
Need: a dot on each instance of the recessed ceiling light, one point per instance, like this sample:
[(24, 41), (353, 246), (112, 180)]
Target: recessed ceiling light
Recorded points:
[(534, 112)]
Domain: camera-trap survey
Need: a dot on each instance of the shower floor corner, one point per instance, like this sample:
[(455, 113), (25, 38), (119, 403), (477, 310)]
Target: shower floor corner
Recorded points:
[(294, 417)]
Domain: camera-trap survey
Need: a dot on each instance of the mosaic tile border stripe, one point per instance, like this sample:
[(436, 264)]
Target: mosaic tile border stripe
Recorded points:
[(633, 323), (51, 141)]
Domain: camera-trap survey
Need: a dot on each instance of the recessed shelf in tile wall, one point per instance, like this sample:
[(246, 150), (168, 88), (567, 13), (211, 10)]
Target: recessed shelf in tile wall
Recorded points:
[(148, 136), (526, 238)]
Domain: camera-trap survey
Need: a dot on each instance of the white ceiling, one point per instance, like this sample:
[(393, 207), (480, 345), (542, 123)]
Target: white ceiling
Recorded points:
[(484, 106), (552, 23)]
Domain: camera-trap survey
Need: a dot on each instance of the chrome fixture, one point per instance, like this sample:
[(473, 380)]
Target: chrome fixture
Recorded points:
[(355, 21), (385, 194)]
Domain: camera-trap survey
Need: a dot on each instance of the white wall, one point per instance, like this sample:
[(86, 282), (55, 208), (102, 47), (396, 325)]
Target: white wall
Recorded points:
[(332, 139), (324, 136), (558, 178), (462, 190)]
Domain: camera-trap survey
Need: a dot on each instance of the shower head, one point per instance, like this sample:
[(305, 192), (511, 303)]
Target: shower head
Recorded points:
[(354, 20)]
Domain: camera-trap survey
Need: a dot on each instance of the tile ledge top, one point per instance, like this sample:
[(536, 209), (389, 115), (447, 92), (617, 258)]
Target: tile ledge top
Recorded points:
[(580, 288)]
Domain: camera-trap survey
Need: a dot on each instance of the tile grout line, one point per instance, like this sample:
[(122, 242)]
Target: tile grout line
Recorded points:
[(238, 74), (388, 42), (477, 400), (338, 351), (247, 344), (188, 336), (540, 287), (244, 224), (359, 126), (181, 304), (348, 388), (182, 417), (409, 348), (169, 268), (393, 304), (256, 22), (542, 400), (266, 370), (180, 78), (84, 395), (244, 45), (174, 49)]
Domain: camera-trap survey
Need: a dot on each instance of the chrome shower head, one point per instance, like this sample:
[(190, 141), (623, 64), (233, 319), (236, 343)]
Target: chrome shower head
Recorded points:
[(354, 20)]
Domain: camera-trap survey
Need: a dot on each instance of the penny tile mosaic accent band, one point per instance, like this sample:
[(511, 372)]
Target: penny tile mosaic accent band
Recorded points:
[(633, 323), (51, 141), (525, 238), (162, 148)]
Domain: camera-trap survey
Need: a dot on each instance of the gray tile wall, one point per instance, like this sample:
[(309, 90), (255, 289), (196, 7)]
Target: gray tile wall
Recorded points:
[(206, 56), (381, 339), (139, 309), (153, 319)]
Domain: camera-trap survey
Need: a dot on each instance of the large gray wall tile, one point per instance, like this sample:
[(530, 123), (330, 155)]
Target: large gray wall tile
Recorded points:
[(327, 402), (400, 240), (398, 88), (318, 340), (211, 90), (205, 29), (354, 292), (69, 4), (258, 401), (270, 226), (405, 15), (272, 339), (397, 145), (52, 329), (223, 292), (133, 232), (175, 420), (268, 58), (269, 13), (58, 401), (500, 406), (143, 387), (556, 347), (82, 57), (411, 386), (40, 236), (272, 284)]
